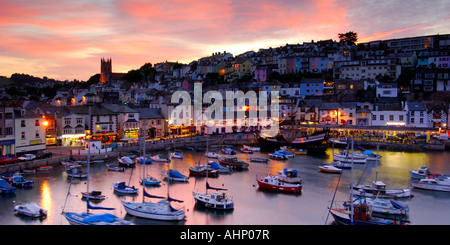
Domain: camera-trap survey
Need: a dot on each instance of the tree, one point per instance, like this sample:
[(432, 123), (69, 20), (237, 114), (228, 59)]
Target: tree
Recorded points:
[(350, 37)]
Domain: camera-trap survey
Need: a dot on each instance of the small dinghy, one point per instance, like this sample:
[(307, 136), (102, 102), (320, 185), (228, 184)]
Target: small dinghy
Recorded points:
[(121, 187)]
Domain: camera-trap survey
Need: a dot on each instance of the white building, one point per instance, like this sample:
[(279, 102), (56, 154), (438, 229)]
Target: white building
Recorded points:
[(29, 132), (389, 115), (417, 114)]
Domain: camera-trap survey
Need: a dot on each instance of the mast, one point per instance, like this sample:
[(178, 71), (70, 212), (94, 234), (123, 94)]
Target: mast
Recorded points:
[(144, 159), (88, 157), (351, 192)]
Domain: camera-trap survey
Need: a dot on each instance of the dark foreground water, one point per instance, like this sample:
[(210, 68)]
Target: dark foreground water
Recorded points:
[(253, 206)]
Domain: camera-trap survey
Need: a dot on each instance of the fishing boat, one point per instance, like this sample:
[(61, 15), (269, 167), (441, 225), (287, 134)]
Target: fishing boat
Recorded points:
[(17, 180), (228, 151), (176, 155), (277, 156), (271, 182), (378, 189), (202, 170), (190, 148), (215, 200), (316, 142), (76, 172), (157, 158), (121, 187), (126, 161), (93, 195), (252, 148), (289, 175), (143, 160), (382, 206), (286, 153), (212, 155), (31, 210), (328, 168), (423, 172), (162, 210), (433, 184), (340, 143), (221, 169), (246, 150), (361, 214), (6, 188), (174, 175), (199, 149), (112, 167), (233, 162), (45, 168), (257, 159)]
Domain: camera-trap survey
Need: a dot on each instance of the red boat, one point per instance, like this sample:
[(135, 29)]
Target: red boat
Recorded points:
[(274, 183)]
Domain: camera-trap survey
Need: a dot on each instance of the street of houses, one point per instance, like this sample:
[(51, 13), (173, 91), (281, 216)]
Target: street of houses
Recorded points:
[(391, 83)]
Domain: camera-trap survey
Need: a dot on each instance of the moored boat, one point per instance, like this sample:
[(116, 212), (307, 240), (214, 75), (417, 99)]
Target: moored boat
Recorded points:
[(257, 159), (289, 175), (246, 150), (126, 162), (277, 156), (271, 182), (76, 173), (286, 153), (362, 215), (157, 158), (150, 181), (228, 151), (143, 160), (212, 155), (378, 189), (112, 167), (122, 188), (202, 170), (344, 156), (423, 172), (221, 169), (175, 175), (218, 199), (31, 210), (252, 148), (17, 180), (176, 155), (381, 206), (93, 195), (433, 184), (233, 162), (341, 165), (6, 188), (327, 168)]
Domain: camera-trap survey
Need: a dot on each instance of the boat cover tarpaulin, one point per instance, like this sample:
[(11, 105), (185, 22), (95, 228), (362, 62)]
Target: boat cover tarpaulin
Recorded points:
[(4, 184), (176, 174), (100, 218), (216, 165)]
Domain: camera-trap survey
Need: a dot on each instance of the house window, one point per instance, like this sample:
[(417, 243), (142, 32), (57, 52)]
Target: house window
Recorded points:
[(67, 121), (374, 117), (79, 120), (421, 120), (391, 117), (412, 119), (8, 131), (36, 123), (382, 117), (37, 133), (23, 135), (400, 117), (22, 123)]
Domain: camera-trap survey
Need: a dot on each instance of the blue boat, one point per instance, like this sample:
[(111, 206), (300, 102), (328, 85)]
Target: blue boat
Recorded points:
[(286, 153), (141, 160), (6, 188), (121, 187), (216, 166), (174, 175), (17, 180), (229, 151), (150, 181)]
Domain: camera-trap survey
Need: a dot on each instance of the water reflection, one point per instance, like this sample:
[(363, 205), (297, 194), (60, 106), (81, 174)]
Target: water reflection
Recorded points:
[(46, 198)]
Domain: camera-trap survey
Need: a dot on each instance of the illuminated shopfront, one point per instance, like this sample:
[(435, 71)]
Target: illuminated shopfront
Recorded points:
[(73, 139), (131, 133)]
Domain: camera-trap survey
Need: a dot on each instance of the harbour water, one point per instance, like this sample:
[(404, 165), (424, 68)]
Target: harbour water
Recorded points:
[(253, 206)]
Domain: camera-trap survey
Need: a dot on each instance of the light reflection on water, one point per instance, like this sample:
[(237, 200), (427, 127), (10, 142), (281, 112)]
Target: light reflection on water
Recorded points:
[(252, 205)]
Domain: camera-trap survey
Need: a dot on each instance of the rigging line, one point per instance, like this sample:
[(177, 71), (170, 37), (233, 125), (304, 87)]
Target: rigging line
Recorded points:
[(332, 200), (68, 193)]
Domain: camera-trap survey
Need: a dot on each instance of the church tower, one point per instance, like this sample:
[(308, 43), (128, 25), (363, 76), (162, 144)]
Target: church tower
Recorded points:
[(105, 70)]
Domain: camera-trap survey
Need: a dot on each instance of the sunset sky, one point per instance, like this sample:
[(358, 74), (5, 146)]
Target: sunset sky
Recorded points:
[(66, 39)]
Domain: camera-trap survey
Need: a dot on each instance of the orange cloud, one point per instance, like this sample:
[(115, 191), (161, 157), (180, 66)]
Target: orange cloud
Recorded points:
[(378, 36)]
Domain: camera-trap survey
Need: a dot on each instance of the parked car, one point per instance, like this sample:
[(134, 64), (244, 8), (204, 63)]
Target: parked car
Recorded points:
[(26, 157), (8, 160), (44, 154)]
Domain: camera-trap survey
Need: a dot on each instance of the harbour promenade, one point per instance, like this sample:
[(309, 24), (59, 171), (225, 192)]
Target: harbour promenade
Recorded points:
[(64, 153)]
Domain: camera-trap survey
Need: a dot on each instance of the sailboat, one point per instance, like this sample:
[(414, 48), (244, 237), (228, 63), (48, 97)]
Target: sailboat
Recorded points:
[(215, 200), (148, 180), (161, 210), (75, 218), (359, 213)]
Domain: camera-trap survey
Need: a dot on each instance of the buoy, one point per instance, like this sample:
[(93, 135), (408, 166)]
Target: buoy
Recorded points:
[(188, 209), (253, 185)]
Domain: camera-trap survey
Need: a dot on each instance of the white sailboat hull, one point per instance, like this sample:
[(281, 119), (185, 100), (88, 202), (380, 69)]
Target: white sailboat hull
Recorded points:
[(157, 211)]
